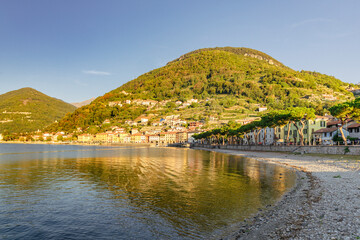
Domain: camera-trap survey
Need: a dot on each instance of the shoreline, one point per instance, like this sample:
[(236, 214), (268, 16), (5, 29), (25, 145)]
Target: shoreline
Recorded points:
[(79, 144), (323, 204)]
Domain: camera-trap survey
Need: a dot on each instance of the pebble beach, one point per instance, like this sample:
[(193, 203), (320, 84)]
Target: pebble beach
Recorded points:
[(324, 203)]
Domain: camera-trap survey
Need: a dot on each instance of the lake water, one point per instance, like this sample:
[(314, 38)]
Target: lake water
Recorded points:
[(94, 192)]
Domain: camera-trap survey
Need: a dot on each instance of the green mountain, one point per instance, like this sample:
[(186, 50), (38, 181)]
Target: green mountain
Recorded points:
[(27, 110), (229, 83)]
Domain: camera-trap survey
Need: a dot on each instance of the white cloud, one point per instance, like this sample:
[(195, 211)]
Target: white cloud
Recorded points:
[(93, 72)]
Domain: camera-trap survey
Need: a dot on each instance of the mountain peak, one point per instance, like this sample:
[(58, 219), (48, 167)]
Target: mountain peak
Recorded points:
[(223, 83), (247, 52), (27, 109)]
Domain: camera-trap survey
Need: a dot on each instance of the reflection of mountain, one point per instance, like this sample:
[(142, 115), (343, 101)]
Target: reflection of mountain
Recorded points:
[(193, 191), (194, 185)]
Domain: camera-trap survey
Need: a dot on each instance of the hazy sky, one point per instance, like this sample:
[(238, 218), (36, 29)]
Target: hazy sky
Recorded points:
[(78, 49)]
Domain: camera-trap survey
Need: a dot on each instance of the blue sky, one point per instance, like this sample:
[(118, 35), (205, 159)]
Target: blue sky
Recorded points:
[(78, 49)]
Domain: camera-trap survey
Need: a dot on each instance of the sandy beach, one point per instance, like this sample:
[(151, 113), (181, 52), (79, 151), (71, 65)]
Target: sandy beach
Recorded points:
[(324, 204)]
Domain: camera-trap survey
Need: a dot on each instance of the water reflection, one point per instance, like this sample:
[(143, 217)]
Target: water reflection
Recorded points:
[(134, 192)]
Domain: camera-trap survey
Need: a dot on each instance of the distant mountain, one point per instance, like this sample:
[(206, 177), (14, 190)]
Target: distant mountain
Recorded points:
[(229, 83), (27, 110), (83, 103)]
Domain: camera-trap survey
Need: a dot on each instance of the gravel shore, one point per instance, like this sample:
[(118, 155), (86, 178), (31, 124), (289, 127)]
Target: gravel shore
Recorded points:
[(324, 204)]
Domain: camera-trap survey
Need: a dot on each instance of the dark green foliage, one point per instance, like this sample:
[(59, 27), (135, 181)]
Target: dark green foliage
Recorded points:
[(30, 110)]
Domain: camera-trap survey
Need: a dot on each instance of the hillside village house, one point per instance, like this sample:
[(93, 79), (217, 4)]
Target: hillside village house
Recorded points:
[(101, 137), (279, 134), (170, 137), (324, 136), (130, 122), (154, 138), (262, 109), (270, 136), (113, 104), (354, 130), (123, 137), (310, 127), (85, 138), (138, 138), (181, 137), (107, 121), (258, 136), (162, 138), (195, 125), (134, 131)]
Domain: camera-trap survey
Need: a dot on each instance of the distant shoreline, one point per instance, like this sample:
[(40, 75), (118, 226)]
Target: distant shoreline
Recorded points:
[(323, 204), (79, 144)]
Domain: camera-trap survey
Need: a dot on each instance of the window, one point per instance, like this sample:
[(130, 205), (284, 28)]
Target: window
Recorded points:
[(331, 134), (305, 131)]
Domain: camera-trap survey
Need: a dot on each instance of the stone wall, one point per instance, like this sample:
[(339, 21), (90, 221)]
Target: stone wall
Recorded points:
[(348, 150)]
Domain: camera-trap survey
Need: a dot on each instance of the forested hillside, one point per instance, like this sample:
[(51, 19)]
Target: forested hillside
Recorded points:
[(227, 82), (27, 110)]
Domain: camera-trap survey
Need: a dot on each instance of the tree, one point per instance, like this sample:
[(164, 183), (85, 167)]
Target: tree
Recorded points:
[(275, 119), (299, 116), (345, 111)]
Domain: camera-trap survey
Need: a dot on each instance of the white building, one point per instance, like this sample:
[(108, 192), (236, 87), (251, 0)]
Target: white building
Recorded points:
[(154, 138), (270, 136), (325, 135), (268, 140), (354, 130)]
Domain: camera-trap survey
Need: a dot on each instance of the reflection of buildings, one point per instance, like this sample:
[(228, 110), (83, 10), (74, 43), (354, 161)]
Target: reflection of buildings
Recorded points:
[(205, 187)]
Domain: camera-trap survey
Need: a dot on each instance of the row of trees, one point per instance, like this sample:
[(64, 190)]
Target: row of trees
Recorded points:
[(345, 111), (271, 119), (296, 116)]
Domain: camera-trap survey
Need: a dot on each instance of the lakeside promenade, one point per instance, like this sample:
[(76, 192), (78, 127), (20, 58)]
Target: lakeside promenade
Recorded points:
[(316, 149), (324, 204)]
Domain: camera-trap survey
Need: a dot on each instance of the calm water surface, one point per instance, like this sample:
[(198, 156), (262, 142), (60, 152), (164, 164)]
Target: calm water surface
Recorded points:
[(85, 192)]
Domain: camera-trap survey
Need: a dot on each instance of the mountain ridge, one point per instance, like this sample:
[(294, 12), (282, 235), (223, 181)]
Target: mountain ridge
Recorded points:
[(83, 103), (228, 82), (26, 110)]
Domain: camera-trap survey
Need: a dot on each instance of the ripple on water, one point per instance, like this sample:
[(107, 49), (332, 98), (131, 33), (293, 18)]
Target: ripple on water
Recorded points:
[(144, 193)]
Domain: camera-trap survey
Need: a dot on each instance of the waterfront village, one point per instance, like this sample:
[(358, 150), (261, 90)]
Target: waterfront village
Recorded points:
[(323, 130)]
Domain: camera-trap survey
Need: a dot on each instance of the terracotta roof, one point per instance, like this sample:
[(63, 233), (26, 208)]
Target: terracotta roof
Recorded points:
[(323, 117), (330, 123), (326, 130), (354, 125)]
